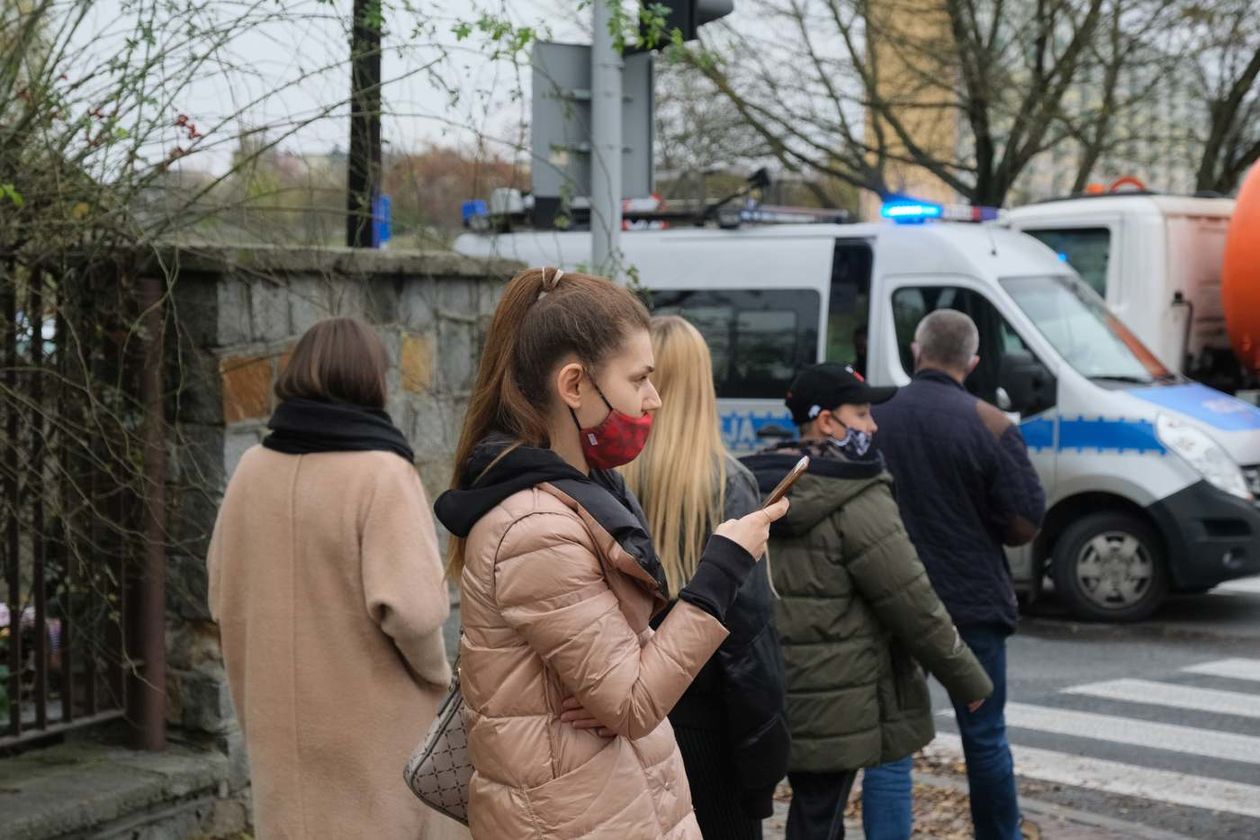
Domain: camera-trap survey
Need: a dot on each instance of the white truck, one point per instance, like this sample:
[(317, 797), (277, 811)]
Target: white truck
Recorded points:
[(1156, 261)]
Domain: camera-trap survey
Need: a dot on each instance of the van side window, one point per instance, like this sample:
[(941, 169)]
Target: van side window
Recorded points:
[(1085, 249), (758, 338), (848, 309), (997, 337)]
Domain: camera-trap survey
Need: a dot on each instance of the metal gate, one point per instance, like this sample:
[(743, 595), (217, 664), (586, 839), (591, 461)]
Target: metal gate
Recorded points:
[(81, 489)]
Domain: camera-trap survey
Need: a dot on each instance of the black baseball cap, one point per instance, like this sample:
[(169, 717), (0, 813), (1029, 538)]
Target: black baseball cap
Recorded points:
[(827, 386)]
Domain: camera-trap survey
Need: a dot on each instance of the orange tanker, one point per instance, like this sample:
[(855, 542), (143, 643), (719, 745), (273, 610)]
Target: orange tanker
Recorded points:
[(1240, 274)]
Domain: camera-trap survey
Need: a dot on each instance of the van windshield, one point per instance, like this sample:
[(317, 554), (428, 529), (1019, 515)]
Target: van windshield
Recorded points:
[(1089, 338)]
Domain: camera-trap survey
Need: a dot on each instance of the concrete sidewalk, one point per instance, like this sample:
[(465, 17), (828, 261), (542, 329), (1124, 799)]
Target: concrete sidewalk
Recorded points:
[(87, 789)]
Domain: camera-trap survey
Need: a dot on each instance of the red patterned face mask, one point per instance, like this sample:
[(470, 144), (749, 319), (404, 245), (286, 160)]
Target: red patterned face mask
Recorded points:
[(617, 440)]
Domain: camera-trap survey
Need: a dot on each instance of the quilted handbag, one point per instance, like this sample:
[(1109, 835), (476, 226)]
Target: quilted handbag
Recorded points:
[(439, 770)]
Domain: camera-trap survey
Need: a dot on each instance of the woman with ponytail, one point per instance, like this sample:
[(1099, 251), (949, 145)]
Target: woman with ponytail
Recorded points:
[(730, 722), (566, 685)]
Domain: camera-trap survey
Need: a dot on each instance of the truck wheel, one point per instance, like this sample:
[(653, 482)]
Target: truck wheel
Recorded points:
[(1110, 567)]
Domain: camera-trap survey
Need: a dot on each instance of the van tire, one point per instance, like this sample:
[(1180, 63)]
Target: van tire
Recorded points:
[(1110, 566)]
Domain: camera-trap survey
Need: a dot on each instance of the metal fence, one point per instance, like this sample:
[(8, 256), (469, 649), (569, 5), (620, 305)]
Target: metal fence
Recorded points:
[(81, 484)]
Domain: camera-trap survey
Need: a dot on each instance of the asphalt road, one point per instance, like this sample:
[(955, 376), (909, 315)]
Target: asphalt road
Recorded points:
[(1156, 724)]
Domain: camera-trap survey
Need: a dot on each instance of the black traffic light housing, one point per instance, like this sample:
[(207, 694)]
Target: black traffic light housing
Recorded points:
[(687, 16)]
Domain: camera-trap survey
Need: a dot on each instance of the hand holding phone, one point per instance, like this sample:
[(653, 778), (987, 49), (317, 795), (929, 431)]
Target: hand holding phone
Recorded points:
[(752, 531)]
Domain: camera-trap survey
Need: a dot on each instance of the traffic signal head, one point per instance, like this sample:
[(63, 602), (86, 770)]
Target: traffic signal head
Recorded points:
[(687, 16)]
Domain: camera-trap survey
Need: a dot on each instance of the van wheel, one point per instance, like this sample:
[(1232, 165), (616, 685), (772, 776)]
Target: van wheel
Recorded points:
[(1110, 567)]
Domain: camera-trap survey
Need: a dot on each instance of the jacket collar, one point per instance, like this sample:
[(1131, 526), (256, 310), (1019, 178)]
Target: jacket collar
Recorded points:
[(500, 467), (938, 376)]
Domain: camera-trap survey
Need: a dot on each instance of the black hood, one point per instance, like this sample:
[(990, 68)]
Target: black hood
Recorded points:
[(481, 489), (770, 465), (829, 483), (602, 494)]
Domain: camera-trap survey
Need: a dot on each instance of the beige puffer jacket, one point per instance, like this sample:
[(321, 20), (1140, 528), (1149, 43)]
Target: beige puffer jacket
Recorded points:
[(553, 606)]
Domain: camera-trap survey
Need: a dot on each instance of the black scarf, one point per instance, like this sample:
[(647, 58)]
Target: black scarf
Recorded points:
[(300, 426)]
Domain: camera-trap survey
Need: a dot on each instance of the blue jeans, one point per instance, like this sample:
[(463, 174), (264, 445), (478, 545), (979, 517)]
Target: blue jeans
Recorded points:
[(990, 769), (886, 800)]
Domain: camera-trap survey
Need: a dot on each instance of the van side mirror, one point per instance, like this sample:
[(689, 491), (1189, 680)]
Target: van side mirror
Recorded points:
[(1026, 381)]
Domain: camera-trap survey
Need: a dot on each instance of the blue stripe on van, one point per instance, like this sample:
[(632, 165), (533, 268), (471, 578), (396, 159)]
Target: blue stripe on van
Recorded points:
[(1038, 433), (1097, 434), (1104, 435)]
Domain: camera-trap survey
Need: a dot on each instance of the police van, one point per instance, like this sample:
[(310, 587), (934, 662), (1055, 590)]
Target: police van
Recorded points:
[(1151, 479)]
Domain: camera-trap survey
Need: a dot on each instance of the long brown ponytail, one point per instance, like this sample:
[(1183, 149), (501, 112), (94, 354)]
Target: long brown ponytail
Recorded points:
[(544, 315)]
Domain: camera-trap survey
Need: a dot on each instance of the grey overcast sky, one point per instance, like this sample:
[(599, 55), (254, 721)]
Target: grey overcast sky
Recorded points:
[(281, 73)]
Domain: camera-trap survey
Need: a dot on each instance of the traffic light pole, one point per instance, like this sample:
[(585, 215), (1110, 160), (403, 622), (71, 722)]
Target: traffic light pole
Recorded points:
[(606, 67)]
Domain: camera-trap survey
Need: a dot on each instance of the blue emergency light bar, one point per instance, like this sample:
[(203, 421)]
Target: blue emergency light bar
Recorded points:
[(908, 211), (912, 211)]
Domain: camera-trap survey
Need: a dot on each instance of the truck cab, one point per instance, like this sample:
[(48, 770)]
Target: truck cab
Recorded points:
[(1150, 478), (1156, 260)]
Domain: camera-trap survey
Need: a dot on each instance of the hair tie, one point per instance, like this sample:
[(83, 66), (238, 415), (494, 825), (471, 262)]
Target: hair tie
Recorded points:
[(549, 283)]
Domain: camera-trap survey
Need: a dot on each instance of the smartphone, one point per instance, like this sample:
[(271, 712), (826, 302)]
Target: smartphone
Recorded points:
[(787, 482)]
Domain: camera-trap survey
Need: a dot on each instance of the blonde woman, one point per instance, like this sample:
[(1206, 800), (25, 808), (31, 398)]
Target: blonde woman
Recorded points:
[(730, 723)]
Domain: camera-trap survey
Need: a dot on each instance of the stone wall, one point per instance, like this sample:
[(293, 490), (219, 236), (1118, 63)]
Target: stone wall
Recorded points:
[(238, 315)]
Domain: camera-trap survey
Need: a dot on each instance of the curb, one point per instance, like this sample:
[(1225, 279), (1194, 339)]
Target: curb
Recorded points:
[(1065, 627)]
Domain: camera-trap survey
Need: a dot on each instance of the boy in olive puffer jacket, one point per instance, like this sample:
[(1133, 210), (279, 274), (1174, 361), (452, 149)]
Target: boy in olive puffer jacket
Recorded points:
[(857, 614)]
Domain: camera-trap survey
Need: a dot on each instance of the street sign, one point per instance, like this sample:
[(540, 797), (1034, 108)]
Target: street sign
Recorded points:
[(560, 130), (382, 220)]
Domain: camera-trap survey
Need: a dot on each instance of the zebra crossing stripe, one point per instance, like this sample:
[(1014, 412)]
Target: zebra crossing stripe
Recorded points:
[(1123, 779), (1174, 696), (1138, 733), (1242, 586), (1234, 669)]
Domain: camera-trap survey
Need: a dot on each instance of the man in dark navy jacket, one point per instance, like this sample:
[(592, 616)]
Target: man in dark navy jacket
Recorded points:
[(966, 488)]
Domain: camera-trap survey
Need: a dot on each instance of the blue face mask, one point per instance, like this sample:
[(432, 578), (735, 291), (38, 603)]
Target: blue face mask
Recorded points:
[(853, 443)]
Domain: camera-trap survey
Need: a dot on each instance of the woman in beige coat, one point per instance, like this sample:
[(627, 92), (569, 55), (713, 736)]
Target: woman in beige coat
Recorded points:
[(327, 586), (566, 686)]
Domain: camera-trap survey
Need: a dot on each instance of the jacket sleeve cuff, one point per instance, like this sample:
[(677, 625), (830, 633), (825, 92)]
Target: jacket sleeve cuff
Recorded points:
[(721, 572), (971, 687), (758, 804)]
